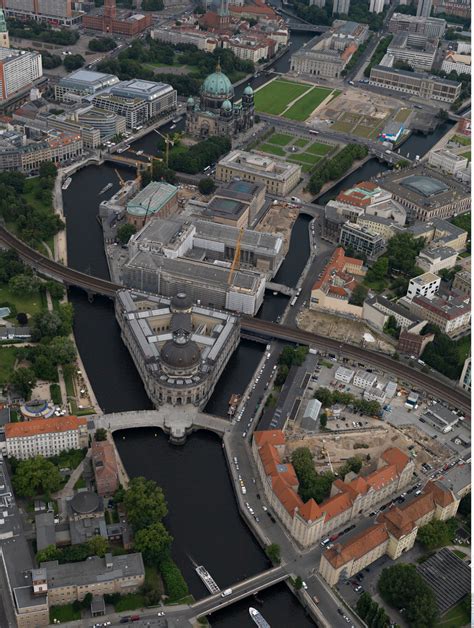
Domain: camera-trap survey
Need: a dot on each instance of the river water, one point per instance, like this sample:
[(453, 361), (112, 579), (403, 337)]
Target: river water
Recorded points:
[(203, 517)]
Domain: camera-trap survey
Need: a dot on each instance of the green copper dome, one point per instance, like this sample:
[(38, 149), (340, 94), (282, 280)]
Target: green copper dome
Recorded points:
[(248, 91), (217, 84), (227, 105)]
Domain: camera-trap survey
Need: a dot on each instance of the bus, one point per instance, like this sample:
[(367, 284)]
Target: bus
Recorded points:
[(293, 301), (314, 132)]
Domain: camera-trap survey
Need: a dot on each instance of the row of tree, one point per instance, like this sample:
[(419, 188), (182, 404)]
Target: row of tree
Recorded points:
[(444, 354), (95, 546), (288, 357), (337, 166), (197, 157), (329, 398), (373, 614), (41, 31), (379, 53), (358, 12), (102, 44)]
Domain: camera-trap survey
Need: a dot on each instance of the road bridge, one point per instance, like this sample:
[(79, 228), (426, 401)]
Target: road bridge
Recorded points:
[(389, 157), (259, 328), (281, 288), (122, 160), (305, 27)]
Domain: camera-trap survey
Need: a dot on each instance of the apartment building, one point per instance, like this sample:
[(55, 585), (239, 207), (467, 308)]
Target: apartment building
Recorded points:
[(462, 282), (105, 468), (309, 522), (332, 291), (185, 35), (377, 309), (279, 177), (465, 379), (359, 238), (58, 12), (440, 232), (447, 161), (19, 69), (459, 63), (364, 379), (415, 83), (394, 533), (45, 437), (378, 225), (452, 314), (431, 27), (414, 49), (426, 285)]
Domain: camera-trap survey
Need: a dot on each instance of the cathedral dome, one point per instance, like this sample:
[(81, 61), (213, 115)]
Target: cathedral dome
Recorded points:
[(190, 101), (217, 85), (181, 352), (248, 91), (227, 105)]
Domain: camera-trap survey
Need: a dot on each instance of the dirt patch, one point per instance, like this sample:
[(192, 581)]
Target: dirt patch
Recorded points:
[(339, 328), (358, 103), (279, 219)]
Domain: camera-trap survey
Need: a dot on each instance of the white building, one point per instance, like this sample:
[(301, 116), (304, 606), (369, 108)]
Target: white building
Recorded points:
[(376, 6), (447, 161), (434, 258), (375, 393), (364, 379), (426, 285), (457, 63), (45, 437), (18, 69), (344, 375)]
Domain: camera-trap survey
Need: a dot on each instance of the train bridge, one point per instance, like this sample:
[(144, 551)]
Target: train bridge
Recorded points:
[(250, 326)]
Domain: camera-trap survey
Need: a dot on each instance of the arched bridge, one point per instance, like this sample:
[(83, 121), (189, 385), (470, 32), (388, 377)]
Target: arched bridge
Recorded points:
[(253, 326)]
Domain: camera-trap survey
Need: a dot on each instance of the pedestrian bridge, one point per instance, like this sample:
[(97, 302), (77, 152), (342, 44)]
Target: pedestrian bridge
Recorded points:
[(281, 288), (177, 421)]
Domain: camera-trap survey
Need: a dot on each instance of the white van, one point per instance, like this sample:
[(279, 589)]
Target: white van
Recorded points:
[(226, 592)]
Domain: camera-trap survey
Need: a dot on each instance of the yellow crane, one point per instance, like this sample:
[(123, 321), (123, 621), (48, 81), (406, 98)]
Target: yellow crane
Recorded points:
[(168, 141), (236, 260), (120, 178)]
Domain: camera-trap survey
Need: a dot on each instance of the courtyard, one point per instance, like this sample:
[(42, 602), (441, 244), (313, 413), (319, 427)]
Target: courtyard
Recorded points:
[(292, 100), (299, 150)]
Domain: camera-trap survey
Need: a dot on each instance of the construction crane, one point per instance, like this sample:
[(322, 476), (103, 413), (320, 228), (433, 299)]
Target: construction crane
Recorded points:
[(236, 260), (168, 141), (121, 179)]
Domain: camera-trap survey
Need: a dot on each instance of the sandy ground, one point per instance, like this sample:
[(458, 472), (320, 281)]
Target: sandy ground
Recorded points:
[(358, 102), (279, 219), (340, 328)]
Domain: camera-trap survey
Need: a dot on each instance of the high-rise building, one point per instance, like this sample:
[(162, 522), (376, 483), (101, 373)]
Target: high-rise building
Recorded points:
[(424, 8), (18, 69), (341, 7), (4, 38), (376, 6)]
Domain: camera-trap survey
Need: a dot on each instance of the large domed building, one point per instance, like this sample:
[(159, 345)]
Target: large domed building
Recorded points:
[(215, 113)]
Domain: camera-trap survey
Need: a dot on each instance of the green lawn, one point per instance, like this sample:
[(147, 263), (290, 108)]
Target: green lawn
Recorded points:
[(280, 139), (467, 155), (454, 618), (402, 115), (31, 187), (304, 167), (459, 554), (364, 131), (300, 142), (274, 150), (274, 97), (130, 602), (28, 304), (460, 139), (307, 158), (319, 149), (342, 127), (305, 106), (7, 360), (63, 614)]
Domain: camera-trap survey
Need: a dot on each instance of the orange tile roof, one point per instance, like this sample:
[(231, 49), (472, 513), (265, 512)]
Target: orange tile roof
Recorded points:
[(397, 457), (382, 477), (419, 507), (349, 51), (43, 426), (288, 497), (337, 263), (275, 437), (357, 547), (335, 505), (310, 511), (441, 495), (398, 521)]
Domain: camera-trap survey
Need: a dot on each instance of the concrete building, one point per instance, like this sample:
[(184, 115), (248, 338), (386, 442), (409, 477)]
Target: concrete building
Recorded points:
[(358, 238), (80, 83), (462, 282), (156, 199), (434, 258), (431, 27), (454, 62), (215, 113), (104, 464), (448, 576), (66, 583), (441, 418), (45, 437), (85, 517), (57, 12), (375, 393), (426, 193), (394, 533), (447, 161), (279, 177), (309, 522), (412, 342), (423, 8), (418, 84), (377, 310), (107, 20), (332, 291), (439, 232), (236, 203), (452, 314), (202, 40), (376, 6), (310, 417), (19, 69), (426, 285), (465, 379), (344, 375), (377, 225), (364, 379), (414, 49), (341, 7), (179, 349), (4, 37)]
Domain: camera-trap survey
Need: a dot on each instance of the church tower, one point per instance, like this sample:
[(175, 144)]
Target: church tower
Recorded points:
[(4, 38)]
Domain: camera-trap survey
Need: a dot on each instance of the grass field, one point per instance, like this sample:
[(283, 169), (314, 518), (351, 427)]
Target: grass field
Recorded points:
[(301, 143), (275, 97), (27, 304), (306, 158), (281, 139), (310, 152), (454, 618), (402, 115), (7, 361), (272, 149), (467, 155), (63, 614), (342, 127), (463, 141), (305, 106), (319, 149)]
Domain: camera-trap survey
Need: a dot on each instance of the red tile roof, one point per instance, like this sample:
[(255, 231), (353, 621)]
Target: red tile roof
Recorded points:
[(275, 437), (395, 456), (288, 497), (337, 265), (382, 477), (357, 547), (441, 496), (43, 426), (310, 511), (335, 505)]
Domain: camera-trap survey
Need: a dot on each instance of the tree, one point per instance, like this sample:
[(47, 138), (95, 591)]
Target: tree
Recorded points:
[(100, 434), (206, 185), (391, 327), (22, 318), (102, 44), (154, 542), (378, 271), (175, 585), (47, 169), (364, 604), (73, 62), (98, 545), (324, 395), (23, 381), (144, 502), (36, 476), (273, 552), (298, 583), (401, 586), (323, 419), (51, 552), (55, 289), (25, 284), (125, 232), (359, 294), (436, 533), (63, 350), (311, 484)]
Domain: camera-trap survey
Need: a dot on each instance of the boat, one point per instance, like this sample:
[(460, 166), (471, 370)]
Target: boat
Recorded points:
[(176, 120), (105, 188), (123, 149), (233, 403), (258, 618), (66, 183)]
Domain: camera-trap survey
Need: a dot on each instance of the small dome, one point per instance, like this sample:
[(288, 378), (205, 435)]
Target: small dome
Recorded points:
[(181, 302), (227, 105), (248, 91), (85, 502), (190, 101), (181, 352), (217, 84)]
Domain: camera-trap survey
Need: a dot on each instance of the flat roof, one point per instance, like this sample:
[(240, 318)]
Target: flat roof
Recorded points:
[(151, 199), (448, 576), (427, 186)]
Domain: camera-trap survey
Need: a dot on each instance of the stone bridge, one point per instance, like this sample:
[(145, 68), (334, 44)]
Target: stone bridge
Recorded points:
[(281, 288), (177, 421)]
